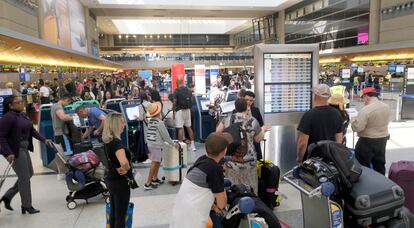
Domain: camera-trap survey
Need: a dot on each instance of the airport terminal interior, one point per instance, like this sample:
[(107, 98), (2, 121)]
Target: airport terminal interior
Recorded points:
[(231, 113)]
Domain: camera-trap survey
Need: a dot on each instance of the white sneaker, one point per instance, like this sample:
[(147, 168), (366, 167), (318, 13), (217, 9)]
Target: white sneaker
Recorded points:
[(192, 147), (60, 177)]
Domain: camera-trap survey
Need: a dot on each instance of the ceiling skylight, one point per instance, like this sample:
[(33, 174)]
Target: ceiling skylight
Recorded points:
[(176, 26), (196, 3)]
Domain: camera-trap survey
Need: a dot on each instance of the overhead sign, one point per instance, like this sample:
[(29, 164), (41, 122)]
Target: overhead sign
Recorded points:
[(177, 72), (410, 73), (146, 74), (200, 79), (346, 73), (214, 71)]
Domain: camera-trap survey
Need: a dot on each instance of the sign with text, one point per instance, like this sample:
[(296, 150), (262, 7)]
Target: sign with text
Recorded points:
[(214, 71), (200, 79), (177, 72), (3, 94)]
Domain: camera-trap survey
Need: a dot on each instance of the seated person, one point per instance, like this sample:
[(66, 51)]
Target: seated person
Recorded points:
[(202, 189), (96, 120)]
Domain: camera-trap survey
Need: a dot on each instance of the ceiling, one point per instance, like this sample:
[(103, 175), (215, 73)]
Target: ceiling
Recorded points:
[(20, 49), (230, 16)]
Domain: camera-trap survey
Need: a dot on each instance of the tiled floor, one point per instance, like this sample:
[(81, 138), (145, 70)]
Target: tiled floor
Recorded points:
[(152, 208)]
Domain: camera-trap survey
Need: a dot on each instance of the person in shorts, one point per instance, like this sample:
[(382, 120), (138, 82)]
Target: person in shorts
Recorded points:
[(157, 137), (202, 189), (182, 112)]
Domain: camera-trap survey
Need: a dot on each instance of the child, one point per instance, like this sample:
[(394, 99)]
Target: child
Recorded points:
[(202, 189), (157, 138)]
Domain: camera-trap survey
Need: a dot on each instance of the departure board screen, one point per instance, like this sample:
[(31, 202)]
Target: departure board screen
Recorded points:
[(287, 82)]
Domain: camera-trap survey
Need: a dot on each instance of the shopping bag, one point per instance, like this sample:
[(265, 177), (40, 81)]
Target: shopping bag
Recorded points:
[(128, 216)]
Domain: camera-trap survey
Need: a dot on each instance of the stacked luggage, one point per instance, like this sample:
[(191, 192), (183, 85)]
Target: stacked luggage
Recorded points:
[(368, 198)]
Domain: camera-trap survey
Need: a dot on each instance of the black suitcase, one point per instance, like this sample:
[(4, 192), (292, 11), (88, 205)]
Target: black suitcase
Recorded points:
[(82, 147), (269, 175), (315, 171), (405, 220), (373, 199)]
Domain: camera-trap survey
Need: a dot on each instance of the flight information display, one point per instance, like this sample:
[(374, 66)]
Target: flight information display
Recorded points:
[(287, 82)]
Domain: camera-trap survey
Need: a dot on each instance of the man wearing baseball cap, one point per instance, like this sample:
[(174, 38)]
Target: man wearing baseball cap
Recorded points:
[(371, 124), (322, 122)]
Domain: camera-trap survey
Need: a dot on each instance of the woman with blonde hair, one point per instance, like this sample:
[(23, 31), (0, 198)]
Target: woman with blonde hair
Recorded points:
[(119, 168), (339, 102)]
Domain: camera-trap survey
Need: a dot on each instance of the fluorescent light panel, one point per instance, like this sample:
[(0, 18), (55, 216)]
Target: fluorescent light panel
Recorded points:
[(196, 3), (175, 26)]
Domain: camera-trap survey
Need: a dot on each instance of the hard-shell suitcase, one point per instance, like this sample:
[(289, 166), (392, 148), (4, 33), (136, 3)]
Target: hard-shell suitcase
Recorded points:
[(405, 220), (373, 199), (175, 163), (402, 173)]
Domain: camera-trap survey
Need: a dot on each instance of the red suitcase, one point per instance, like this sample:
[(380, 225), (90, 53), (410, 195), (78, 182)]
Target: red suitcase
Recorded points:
[(402, 173)]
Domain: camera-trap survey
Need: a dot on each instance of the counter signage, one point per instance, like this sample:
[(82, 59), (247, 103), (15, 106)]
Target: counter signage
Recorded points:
[(3, 94), (214, 71), (200, 79), (410, 73)]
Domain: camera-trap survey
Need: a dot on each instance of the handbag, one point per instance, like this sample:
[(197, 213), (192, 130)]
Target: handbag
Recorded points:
[(131, 180)]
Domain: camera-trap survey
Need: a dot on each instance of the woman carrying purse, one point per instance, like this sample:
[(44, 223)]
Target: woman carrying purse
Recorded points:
[(120, 172)]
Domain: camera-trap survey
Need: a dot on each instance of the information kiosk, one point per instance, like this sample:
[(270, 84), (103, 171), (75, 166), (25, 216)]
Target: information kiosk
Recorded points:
[(285, 76), (203, 122)]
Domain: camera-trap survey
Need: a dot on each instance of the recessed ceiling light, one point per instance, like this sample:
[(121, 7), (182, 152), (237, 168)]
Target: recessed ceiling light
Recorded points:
[(165, 36), (158, 36), (127, 36), (18, 48), (151, 36), (134, 36), (145, 36), (119, 36)]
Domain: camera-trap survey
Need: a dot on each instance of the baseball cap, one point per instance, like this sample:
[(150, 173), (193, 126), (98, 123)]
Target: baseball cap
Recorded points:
[(368, 90), (322, 90)]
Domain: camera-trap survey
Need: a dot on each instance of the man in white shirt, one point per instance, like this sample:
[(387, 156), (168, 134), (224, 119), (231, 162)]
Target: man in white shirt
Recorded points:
[(44, 92), (371, 124)]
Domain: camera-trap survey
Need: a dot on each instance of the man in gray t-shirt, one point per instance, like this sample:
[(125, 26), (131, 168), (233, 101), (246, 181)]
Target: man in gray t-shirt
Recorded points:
[(58, 121)]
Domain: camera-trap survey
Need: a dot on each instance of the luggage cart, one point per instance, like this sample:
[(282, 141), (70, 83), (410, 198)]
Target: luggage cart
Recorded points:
[(318, 209)]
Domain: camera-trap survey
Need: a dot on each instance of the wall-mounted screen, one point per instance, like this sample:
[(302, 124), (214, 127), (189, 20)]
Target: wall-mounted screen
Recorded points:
[(346, 73), (392, 68), (400, 69), (287, 82), (360, 70)]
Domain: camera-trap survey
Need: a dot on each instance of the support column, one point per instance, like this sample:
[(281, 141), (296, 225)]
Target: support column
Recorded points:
[(40, 18), (280, 26), (374, 21)]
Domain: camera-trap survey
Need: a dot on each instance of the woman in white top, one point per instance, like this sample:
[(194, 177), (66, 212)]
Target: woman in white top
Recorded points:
[(44, 92)]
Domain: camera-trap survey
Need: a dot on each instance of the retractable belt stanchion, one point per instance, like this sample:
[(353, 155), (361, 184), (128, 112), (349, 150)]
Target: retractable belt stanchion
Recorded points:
[(398, 110)]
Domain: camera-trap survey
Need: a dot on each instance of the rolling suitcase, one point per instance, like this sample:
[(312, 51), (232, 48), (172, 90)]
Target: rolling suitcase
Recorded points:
[(175, 163), (373, 199), (402, 173), (269, 175)]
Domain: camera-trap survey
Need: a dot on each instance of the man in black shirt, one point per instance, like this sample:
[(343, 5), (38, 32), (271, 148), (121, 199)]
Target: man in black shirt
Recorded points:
[(320, 123)]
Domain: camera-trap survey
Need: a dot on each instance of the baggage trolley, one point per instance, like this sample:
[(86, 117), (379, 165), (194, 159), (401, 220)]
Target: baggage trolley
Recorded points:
[(318, 209), (5, 174)]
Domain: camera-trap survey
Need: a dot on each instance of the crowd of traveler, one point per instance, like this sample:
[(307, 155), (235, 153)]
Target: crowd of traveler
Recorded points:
[(202, 190)]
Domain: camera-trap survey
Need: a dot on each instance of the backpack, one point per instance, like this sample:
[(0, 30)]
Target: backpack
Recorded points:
[(238, 148), (184, 98), (342, 157)]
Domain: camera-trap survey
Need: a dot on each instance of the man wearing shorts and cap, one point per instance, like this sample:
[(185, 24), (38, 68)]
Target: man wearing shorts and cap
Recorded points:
[(322, 122), (371, 124)]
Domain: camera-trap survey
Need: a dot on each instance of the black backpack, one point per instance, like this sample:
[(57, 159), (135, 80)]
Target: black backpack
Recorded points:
[(238, 148), (184, 98), (341, 156)]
